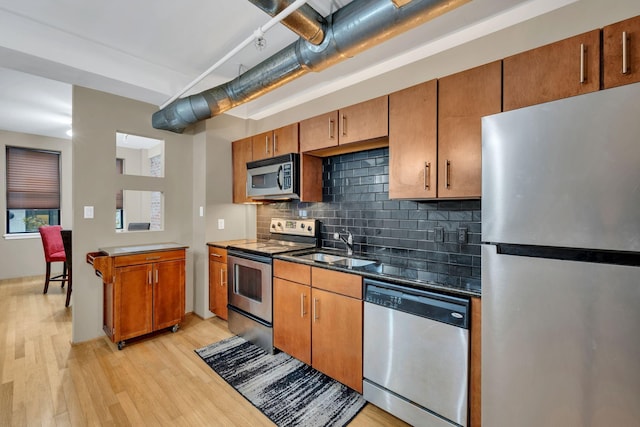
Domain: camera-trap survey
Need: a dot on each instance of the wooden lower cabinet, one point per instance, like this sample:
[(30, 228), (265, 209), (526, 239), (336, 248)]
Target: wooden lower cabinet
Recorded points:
[(320, 327), (218, 296), (336, 332), (292, 319), (142, 293)]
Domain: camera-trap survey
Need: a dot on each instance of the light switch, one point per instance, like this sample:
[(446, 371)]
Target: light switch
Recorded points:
[(201, 210), (88, 212), (220, 224)]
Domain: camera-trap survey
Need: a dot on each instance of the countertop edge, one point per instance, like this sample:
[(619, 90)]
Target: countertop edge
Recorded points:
[(141, 249), (392, 279)]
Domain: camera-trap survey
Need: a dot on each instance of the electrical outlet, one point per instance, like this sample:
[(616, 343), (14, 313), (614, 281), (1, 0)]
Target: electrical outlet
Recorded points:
[(462, 235), (220, 224), (439, 234), (88, 212)]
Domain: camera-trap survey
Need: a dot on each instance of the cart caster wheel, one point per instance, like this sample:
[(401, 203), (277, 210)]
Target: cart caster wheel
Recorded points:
[(175, 328), (120, 345)]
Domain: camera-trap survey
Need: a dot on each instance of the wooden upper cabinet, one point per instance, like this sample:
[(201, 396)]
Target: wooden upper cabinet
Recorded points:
[(463, 99), (277, 142), (285, 140), (242, 153), (621, 53), (360, 122), (364, 121), (413, 142), (558, 70), (319, 132)]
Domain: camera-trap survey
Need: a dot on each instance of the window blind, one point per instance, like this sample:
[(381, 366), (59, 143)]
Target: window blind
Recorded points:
[(33, 179)]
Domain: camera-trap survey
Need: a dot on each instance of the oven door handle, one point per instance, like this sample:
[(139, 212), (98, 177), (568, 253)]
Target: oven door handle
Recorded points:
[(248, 256)]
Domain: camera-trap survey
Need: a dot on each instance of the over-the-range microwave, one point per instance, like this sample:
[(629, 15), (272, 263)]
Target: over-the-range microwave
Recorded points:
[(276, 178)]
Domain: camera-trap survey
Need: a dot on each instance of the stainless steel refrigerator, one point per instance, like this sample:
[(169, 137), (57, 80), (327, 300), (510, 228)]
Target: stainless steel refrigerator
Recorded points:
[(560, 263)]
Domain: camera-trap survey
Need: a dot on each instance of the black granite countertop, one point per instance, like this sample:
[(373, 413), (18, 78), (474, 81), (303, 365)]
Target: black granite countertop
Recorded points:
[(386, 272)]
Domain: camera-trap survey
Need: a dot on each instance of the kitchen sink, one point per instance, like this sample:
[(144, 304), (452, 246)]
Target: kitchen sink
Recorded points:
[(345, 261)]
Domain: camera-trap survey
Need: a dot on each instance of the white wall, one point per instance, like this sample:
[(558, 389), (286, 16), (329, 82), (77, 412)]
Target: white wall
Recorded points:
[(96, 118), (23, 257)]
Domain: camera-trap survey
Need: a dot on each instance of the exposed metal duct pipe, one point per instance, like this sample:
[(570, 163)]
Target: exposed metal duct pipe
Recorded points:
[(305, 21), (356, 27)]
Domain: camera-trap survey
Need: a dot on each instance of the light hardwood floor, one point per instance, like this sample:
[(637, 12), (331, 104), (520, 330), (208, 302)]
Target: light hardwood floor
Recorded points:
[(158, 380)]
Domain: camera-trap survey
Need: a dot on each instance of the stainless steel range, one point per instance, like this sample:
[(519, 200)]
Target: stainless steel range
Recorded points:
[(250, 277)]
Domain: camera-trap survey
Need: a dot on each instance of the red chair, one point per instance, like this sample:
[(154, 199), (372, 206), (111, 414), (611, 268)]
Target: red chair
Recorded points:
[(53, 252)]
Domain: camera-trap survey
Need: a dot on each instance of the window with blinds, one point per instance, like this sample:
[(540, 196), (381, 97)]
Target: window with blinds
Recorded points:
[(33, 189)]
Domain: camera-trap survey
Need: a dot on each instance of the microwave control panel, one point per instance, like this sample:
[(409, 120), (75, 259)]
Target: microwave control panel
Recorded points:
[(299, 227)]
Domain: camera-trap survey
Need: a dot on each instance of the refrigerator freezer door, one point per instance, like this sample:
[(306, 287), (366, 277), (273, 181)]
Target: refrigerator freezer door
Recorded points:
[(565, 173), (560, 342)]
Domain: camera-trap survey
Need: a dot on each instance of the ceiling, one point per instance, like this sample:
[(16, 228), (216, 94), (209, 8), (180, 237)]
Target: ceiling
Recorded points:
[(150, 51)]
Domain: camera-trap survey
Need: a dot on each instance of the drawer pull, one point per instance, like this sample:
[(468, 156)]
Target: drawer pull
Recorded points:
[(625, 68), (216, 255), (427, 175), (583, 77), (151, 258)]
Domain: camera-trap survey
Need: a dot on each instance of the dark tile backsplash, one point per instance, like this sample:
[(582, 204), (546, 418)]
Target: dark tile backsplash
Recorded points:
[(416, 235)]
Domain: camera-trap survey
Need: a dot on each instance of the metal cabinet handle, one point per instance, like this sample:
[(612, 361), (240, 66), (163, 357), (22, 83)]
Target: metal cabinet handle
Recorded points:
[(149, 277), (315, 309), (221, 277), (302, 312), (332, 127), (583, 76), (344, 125), (266, 144), (625, 68), (275, 144), (216, 255), (151, 258), (427, 175), (448, 183), (156, 276)]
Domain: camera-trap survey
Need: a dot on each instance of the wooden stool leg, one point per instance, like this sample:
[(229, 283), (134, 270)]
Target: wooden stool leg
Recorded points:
[(69, 279), (46, 282)]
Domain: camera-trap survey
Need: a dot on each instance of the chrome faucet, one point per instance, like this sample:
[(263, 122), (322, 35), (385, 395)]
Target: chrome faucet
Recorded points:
[(348, 241)]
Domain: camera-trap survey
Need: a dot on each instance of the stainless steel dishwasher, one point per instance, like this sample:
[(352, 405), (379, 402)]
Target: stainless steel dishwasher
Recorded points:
[(416, 354)]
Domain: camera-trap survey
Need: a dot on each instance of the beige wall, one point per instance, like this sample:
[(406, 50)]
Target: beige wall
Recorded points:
[(96, 118), (20, 257)]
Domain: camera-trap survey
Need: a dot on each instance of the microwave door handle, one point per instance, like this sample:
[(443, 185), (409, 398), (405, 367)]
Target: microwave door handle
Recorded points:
[(278, 177)]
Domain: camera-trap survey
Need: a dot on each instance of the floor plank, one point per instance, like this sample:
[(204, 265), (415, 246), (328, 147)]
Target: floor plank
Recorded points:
[(157, 380)]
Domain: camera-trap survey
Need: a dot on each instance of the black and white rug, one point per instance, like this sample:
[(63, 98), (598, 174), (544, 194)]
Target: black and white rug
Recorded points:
[(286, 390)]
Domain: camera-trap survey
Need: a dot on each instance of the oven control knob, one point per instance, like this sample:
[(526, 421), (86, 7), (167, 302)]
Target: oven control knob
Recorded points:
[(309, 228), (302, 225), (273, 226), (279, 225)]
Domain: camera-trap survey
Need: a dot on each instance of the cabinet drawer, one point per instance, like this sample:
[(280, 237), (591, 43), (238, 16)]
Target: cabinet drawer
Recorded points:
[(217, 254), (335, 281), (292, 271), (148, 257)]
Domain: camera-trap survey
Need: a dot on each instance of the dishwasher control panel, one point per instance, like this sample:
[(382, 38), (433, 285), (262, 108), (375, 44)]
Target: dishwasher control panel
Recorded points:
[(419, 302)]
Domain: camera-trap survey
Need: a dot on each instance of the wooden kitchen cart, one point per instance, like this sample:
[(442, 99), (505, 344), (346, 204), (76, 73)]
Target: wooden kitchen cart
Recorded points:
[(143, 288)]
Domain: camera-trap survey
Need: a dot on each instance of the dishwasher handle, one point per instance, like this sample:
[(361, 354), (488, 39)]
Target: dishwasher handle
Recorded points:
[(431, 305)]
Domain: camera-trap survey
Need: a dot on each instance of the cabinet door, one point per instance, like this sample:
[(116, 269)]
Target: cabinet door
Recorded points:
[(319, 132), (241, 153), (218, 289), (621, 53), (337, 337), (262, 145), (291, 319), (463, 99), (168, 294), (285, 140), (133, 311), (364, 121), (559, 70), (413, 142)]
